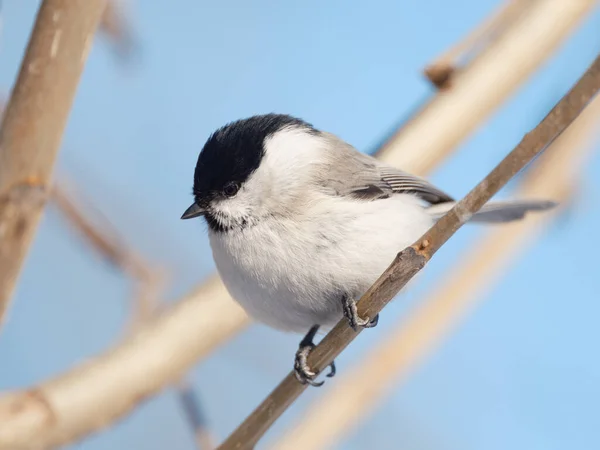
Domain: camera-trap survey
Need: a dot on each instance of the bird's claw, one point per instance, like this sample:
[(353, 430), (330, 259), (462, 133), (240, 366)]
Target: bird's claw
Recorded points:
[(354, 320), (304, 374)]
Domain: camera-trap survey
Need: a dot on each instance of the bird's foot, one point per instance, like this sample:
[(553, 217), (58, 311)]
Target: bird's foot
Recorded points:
[(351, 313), (304, 374)]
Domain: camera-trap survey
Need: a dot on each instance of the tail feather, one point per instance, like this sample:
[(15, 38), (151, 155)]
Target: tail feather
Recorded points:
[(497, 212)]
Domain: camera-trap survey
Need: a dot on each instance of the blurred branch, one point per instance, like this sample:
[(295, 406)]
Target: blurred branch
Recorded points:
[(195, 416), (103, 238), (441, 71), (335, 413), (106, 241), (149, 283), (486, 81), (412, 259), (117, 28), (75, 402), (33, 123)]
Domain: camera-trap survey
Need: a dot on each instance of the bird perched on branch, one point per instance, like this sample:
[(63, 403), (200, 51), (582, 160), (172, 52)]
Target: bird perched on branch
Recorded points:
[(301, 223)]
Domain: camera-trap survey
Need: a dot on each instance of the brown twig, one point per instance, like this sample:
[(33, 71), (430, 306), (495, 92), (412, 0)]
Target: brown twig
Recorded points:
[(413, 338), (33, 123), (412, 259)]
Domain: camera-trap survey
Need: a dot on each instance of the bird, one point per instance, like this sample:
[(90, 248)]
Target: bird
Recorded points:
[(301, 223)]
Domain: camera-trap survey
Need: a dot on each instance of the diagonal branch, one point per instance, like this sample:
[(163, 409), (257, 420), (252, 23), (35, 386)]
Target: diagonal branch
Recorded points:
[(71, 405), (412, 259), (109, 244), (103, 239), (33, 124), (412, 339)]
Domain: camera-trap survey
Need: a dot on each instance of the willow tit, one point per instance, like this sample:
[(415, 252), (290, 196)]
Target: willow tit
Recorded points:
[(301, 223)]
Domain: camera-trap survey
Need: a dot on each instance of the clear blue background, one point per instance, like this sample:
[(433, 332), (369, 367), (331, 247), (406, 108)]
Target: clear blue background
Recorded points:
[(522, 371)]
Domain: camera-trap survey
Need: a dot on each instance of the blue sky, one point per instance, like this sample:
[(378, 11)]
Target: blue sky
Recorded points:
[(520, 372)]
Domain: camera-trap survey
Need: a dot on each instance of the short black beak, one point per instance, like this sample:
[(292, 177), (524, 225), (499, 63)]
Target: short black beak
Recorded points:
[(193, 211)]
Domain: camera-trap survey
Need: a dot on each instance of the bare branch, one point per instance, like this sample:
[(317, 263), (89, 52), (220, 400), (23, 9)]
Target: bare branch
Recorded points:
[(334, 414), (412, 259), (33, 123), (68, 407)]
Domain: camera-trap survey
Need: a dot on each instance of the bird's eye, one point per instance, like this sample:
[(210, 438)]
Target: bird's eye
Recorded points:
[(231, 189)]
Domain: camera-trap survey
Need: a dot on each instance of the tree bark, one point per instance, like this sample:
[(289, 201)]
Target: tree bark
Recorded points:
[(33, 124)]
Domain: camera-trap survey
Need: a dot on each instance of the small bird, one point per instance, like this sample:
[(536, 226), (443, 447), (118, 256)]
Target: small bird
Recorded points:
[(301, 223)]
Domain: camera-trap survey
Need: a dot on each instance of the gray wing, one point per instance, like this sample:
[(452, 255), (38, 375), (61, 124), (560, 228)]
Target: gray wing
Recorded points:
[(351, 173), (404, 183)]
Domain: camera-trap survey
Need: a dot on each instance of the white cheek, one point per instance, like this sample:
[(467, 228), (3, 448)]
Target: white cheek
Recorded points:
[(235, 207), (230, 207), (281, 175)]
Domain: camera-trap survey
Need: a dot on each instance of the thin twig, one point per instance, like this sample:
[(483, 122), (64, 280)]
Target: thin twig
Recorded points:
[(334, 414), (107, 242), (412, 259), (102, 237), (31, 130)]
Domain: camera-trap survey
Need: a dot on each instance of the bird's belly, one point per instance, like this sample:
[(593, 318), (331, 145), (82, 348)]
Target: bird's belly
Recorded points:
[(276, 290), (291, 279)]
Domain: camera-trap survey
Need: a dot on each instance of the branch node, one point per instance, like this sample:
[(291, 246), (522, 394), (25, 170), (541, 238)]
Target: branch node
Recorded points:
[(441, 75), (34, 181), (30, 401), (16, 205), (422, 245)]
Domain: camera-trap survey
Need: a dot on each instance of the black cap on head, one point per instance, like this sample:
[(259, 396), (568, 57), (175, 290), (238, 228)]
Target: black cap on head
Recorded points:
[(234, 152)]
